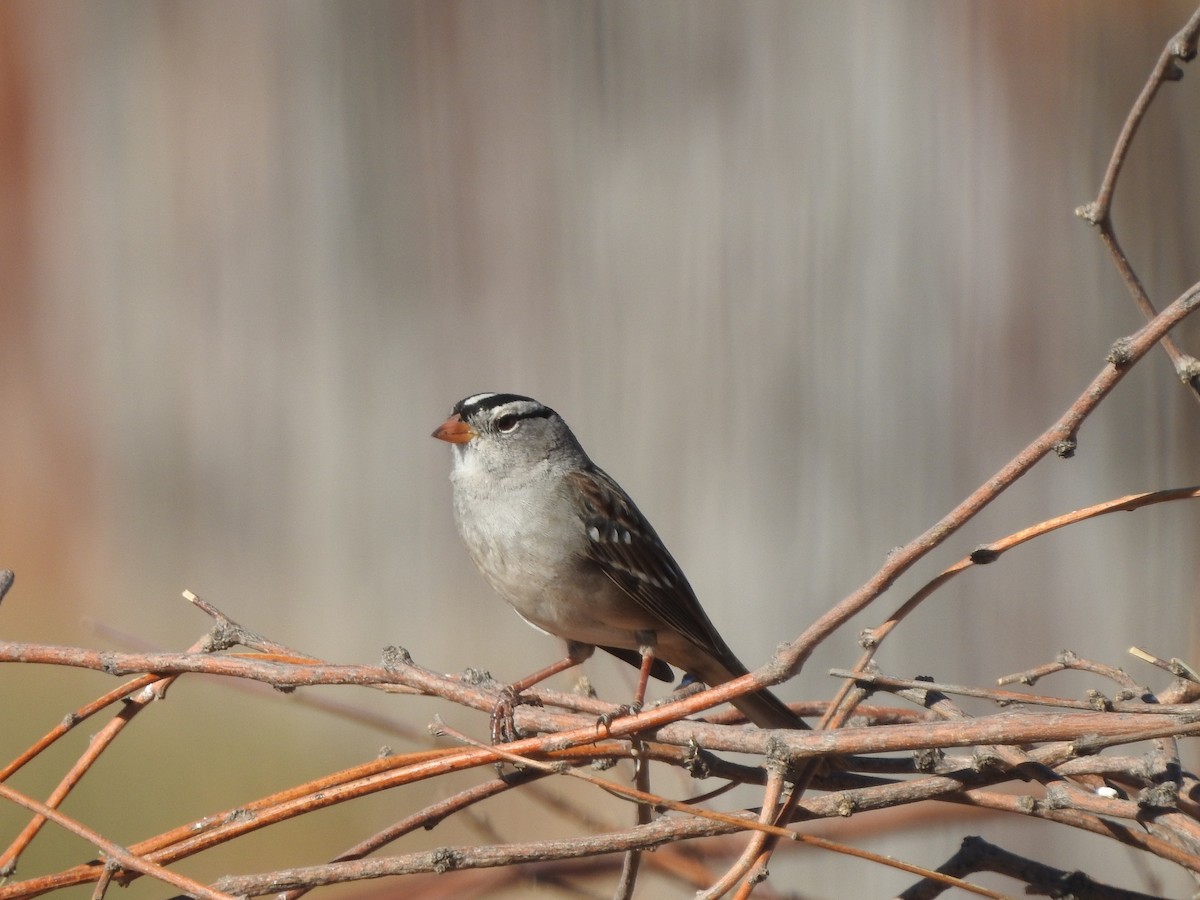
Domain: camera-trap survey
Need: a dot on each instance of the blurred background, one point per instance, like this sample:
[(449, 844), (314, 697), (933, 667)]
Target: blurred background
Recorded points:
[(801, 275)]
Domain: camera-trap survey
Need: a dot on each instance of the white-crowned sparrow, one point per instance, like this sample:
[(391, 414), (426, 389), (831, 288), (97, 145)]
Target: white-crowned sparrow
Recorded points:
[(564, 544)]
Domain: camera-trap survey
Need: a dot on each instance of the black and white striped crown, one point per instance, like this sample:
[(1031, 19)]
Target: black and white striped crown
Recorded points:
[(477, 405)]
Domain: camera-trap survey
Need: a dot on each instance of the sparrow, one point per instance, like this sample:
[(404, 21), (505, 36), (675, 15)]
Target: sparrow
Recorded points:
[(566, 546)]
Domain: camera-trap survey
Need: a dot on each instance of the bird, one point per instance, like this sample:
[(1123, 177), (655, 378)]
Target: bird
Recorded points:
[(566, 546)]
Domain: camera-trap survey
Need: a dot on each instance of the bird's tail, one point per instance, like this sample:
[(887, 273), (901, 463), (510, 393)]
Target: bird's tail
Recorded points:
[(762, 707), (766, 710)]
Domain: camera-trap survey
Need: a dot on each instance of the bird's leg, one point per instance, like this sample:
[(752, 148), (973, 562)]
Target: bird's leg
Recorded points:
[(646, 643), (503, 729), (647, 640)]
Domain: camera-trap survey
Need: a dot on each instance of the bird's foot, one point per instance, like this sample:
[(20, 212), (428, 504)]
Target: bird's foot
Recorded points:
[(686, 687), (625, 709), (504, 729)]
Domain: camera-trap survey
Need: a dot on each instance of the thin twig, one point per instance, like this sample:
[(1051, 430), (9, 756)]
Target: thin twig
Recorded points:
[(1180, 48), (1062, 433), (120, 855), (776, 783), (137, 695), (633, 858)]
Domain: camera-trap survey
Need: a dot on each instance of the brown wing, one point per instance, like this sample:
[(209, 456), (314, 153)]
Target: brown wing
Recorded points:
[(627, 549)]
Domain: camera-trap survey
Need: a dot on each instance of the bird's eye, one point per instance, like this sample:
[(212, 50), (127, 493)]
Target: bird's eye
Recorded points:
[(507, 423)]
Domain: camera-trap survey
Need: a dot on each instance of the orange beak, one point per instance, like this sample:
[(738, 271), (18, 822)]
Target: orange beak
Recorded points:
[(454, 430)]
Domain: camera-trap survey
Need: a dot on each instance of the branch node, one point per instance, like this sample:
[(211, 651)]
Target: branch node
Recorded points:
[(982, 555), (1121, 354), (1087, 744), (1067, 658), (697, 761), (1065, 449), (477, 677), (778, 756), (444, 860), (926, 759), (1187, 367), (396, 658), (1183, 47), (1057, 797), (220, 637), (984, 758), (1159, 796), (776, 669), (1089, 212), (7, 576)]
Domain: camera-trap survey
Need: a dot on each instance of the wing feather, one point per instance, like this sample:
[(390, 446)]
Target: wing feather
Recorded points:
[(625, 546)]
